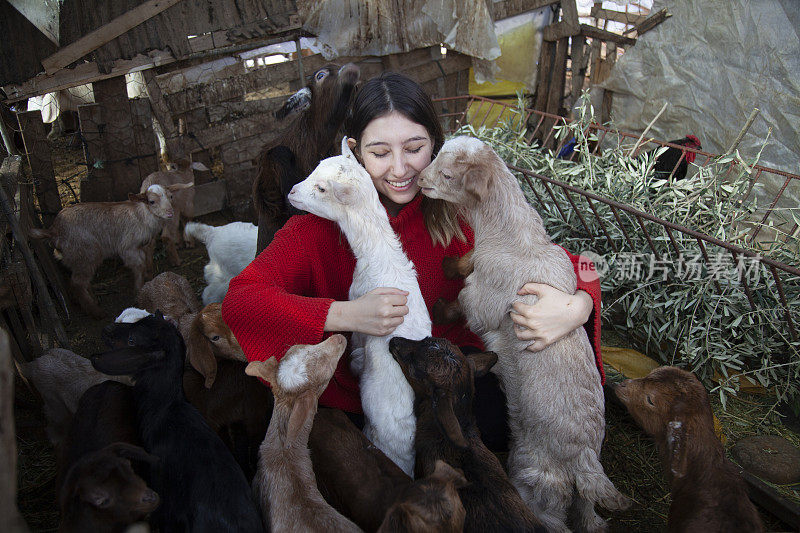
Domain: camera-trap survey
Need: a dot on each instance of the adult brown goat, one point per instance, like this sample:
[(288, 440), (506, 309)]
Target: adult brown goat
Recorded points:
[(319, 110)]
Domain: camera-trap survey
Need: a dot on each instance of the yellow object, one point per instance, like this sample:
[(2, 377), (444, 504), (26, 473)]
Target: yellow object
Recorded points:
[(520, 42), (629, 363)]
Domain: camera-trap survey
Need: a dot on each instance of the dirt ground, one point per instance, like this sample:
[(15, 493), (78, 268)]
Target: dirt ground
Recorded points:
[(629, 457)]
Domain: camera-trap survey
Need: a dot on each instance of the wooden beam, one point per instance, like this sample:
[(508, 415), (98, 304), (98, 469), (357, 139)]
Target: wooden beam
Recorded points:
[(651, 22), (568, 26), (83, 73), (104, 34), (617, 16), (43, 15), (605, 35), (509, 8)]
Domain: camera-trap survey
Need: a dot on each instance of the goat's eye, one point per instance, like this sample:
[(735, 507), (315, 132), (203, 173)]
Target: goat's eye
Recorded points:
[(650, 401), (320, 188), (215, 338), (446, 176), (321, 75), (151, 202)]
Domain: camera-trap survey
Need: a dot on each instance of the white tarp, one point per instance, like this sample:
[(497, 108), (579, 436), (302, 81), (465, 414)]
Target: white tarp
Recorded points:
[(714, 61), (382, 27)]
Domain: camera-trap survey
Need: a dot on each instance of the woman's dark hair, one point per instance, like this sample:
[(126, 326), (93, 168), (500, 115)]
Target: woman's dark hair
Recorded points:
[(389, 92), (394, 92)]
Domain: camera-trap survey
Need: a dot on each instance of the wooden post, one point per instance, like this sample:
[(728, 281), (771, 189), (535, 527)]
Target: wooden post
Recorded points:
[(197, 121), (118, 136), (38, 149), (8, 443), (608, 96), (579, 56), (146, 148), (96, 185)]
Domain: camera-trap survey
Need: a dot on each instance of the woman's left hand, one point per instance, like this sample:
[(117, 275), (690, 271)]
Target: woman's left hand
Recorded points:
[(553, 316)]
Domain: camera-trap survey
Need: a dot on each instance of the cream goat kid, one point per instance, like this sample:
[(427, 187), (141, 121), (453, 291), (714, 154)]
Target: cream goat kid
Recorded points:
[(555, 398), (340, 189), (285, 485)]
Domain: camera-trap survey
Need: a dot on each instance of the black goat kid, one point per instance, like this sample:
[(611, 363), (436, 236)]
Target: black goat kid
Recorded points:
[(202, 488)]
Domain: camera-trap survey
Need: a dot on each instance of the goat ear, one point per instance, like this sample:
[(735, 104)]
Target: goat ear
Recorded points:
[(347, 149), (405, 516), (305, 405), (476, 181), (97, 497), (266, 370), (446, 472), (197, 165), (443, 406), (199, 352), (482, 362), (676, 447), (343, 192)]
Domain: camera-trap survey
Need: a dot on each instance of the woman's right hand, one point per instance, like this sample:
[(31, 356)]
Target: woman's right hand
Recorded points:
[(378, 312)]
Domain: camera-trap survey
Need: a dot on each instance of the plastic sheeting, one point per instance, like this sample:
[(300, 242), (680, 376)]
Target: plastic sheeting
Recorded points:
[(714, 61), (382, 27)]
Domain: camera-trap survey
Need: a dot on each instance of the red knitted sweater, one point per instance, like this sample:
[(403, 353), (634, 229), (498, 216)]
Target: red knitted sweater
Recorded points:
[(282, 298)]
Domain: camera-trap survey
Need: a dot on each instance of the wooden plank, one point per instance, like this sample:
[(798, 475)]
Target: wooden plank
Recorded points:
[(39, 159), (579, 56), (567, 26), (146, 148), (228, 111), (547, 55), (651, 22), (556, 89), (245, 150), (43, 15), (104, 34), (96, 185), (118, 136), (617, 16), (82, 73), (158, 105), (222, 134), (13, 522), (509, 8), (209, 197), (214, 92), (605, 35)]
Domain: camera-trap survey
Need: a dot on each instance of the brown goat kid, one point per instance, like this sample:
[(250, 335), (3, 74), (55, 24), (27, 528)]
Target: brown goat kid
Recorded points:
[(319, 111), (182, 203), (708, 494), (443, 382), (101, 492), (284, 483), (429, 504), (206, 336), (85, 234)]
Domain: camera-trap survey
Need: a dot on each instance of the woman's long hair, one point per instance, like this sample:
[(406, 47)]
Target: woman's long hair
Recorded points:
[(396, 92)]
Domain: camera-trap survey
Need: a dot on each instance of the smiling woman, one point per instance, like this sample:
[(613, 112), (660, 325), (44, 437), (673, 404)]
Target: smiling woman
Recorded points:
[(296, 290)]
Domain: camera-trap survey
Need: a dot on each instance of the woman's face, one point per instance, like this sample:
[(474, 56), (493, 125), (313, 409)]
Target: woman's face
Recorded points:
[(394, 150)]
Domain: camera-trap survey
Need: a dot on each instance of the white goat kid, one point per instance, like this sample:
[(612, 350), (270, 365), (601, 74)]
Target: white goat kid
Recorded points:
[(341, 190)]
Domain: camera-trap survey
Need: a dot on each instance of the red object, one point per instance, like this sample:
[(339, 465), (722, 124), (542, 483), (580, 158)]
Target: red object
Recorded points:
[(282, 298)]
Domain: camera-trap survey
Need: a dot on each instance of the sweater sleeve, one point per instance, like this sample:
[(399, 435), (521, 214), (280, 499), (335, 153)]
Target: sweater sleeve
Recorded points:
[(266, 307), (589, 281)]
